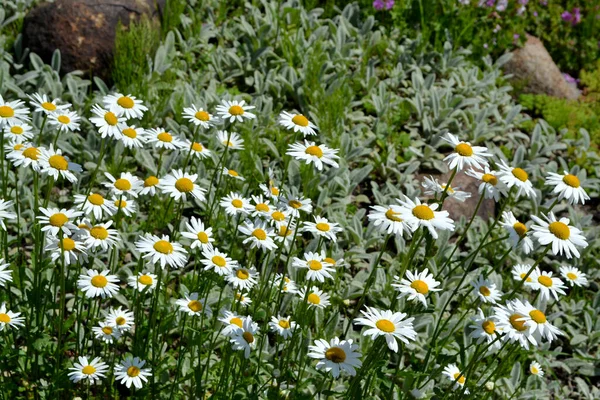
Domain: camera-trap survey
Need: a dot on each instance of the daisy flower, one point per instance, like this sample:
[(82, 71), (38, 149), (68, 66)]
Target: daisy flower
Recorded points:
[(536, 369), (388, 324), (103, 236), (416, 214), (106, 333), (287, 286), (517, 177), (179, 185), (258, 235), (5, 206), (162, 250), (65, 120), (486, 290), (196, 149), (127, 184), (12, 112), (42, 103), (318, 269), (121, 319), (270, 190), (127, 206), (53, 163), (9, 319), (25, 155), (311, 153), (55, 220), (416, 286), (517, 232), (98, 284), (243, 278), (537, 322), (232, 174), (293, 205), (199, 117), (161, 139), (261, 207), (128, 105), (322, 228), (132, 371), (244, 339), (511, 322), (315, 297), (232, 321), (235, 110), (241, 299), (191, 305), (283, 326), (217, 261), (234, 204), (465, 155), (274, 216), (150, 185), (573, 276), (94, 204), (568, 187), (336, 356), (5, 273), (18, 133), (143, 281), (201, 237), (387, 220), (72, 250), (454, 374), (484, 329), (285, 233), (297, 123), (230, 139), (546, 284), (564, 238), (108, 123), (519, 272), (133, 137), (88, 370), (434, 188)]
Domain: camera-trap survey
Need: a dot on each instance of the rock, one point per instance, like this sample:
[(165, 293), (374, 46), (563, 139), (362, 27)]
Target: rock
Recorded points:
[(533, 67), (83, 30)]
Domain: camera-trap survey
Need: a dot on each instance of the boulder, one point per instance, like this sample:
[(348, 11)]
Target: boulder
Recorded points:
[(83, 30), (532, 67)]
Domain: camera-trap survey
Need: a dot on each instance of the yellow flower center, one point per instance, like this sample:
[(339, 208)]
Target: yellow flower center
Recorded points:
[(537, 316), (484, 291), (300, 120), (248, 337), (133, 371), (571, 276), (17, 130), (125, 102), (559, 230), (520, 228), (314, 298), (464, 149), (67, 244), (285, 231), (18, 146), (571, 180), (534, 370), (165, 137), (99, 281), (130, 133), (219, 261), (107, 330), (285, 324), (197, 147), (336, 355), (96, 199), (151, 181), (63, 119), (262, 207), (314, 151), (232, 172), (545, 280), (237, 203), (489, 327), (5, 318), (523, 276), (202, 116), (58, 219), (295, 204), (202, 237), (58, 162), (315, 265), (6, 112), (122, 184), (489, 178), (242, 274), (460, 380), (120, 321), (99, 232), (48, 106), (329, 260), (111, 118), (195, 306), (323, 227), (274, 191), (31, 153), (236, 321), (520, 174), (420, 286), (164, 247), (236, 110), (145, 280), (184, 185), (259, 234), (385, 325), (392, 215), (422, 211), (518, 325), (88, 370)]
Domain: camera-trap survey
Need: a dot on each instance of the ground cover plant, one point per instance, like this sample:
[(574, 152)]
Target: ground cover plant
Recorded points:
[(244, 219)]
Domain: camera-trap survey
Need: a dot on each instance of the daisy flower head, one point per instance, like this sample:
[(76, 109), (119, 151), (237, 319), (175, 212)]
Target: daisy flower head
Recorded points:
[(563, 238), (387, 220), (297, 123), (484, 329), (217, 261), (131, 371), (88, 370), (232, 173), (201, 237), (315, 297), (546, 284), (53, 163), (128, 105), (26, 155), (133, 137), (55, 220), (568, 187), (106, 333), (491, 186), (127, 184), (232, 321), (416, 286), (242, 299), (71, 249), (121, 319), (454, 374), (285, 233), (196, 149), (6, 207), (9, 319), (109, 124), (573, 276), (150, 185), (270, 190), (42, 103), (243, 278), (336, 356), (317, 268), (537, 321), (65, 120), (434, 188), (294, 204), (232, 140), (465, 155), (5, 273), (511, 322), (98, 283), (127, 206), (388, 324), (417, 214), (486, 290), (518, 178), (245, 338), (143, 281), (274, 216), (162, 250), (199, 117), (94, 204), (180, 185), (519, 272), (287, 286), (322, 228), (311, 153), (102, 235), (517, 232), (262, 208), (193, 306), (536, 369), (12, 112), (235, 111), (162, 139), (18, 132), (234, 204), (283, 326), (258, 235)]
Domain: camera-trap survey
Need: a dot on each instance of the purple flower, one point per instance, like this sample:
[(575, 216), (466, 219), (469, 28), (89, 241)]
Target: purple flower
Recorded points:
[(566, 16), (535, 14), (570, 79), (502, 4), (389, 4), (576, 16), (378, 4), (544, 2)]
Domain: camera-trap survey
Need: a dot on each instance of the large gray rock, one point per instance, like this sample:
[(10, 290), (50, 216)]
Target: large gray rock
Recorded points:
[(532, 67)]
